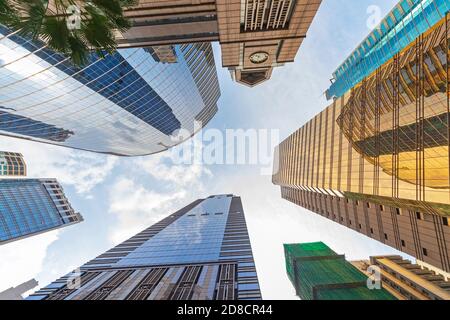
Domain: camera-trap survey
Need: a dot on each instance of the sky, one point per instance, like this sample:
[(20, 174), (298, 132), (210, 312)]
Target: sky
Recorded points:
[(119, 197)]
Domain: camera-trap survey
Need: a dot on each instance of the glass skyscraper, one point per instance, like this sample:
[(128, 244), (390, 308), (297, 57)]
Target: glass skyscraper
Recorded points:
[(200, 252), (319, 273), (33, 206), (377, 159), (133, 102)]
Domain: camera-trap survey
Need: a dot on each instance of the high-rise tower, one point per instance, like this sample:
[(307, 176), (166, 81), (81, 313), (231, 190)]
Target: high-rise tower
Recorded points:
[(161, 80), (12, 164), (200, 252), (377, 159), (33, 206), (136, 101), (255, 35)]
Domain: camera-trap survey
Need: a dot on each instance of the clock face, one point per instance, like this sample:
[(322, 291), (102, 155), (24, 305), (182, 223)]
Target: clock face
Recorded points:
[(259, 57)]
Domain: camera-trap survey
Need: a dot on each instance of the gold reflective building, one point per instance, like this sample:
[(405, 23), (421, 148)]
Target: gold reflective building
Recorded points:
[(377, 159)]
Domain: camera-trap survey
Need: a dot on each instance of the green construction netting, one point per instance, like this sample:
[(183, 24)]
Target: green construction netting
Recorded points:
[(329, 271), (360, 293)]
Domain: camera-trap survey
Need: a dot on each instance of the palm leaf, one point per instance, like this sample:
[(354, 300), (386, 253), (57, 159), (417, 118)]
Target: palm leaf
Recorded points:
[(99, 20), (55, 34), (79, 51), (8, 15), (32, 17)]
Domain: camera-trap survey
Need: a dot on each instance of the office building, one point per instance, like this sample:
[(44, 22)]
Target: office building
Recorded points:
[(200, 252), (137, 101), (33, 206), (160, 88), (318, 273), (405, 280), (12, 164), (255, 35), (377, 159), (16, 293)]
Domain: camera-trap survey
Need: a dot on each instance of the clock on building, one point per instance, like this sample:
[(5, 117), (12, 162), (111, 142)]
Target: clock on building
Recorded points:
[(259, 57)]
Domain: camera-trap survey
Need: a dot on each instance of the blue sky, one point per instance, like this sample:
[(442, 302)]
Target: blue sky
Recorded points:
[(118, 197)]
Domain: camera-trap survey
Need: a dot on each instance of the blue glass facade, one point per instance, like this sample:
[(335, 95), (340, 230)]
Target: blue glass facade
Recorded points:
[(128, 103), (200, 252), (408, 20), (32, 206)]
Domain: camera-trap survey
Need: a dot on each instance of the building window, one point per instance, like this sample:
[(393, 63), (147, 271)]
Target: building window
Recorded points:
[(418, 216), (403, 243), (360, 226), (371, 230), (425, 251), (398, 211), (350, 222), (357, 202), (381, 207), (445, 221), (386, 236), (368, 205)]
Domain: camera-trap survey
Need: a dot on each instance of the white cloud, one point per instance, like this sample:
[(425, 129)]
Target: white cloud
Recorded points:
[(23, 260), (83, 170), (138, 206), (163, 167)]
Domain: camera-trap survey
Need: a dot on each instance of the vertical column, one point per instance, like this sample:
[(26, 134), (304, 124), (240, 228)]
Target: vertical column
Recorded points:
[(351, 112), (319, 146), (420, 102), (396, 125), (325, 147), (362, 135), (376, 176), (447, 41)]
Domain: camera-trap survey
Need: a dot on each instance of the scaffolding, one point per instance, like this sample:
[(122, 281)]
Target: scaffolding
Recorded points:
[(318, 273)]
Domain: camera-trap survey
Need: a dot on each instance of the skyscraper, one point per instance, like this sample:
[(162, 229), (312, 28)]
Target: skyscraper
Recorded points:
[(377, 159), (318, 273), (255, 35), (134, 102), (33, 206), (407, 281), (200, 252), (12, 164), (162, 80)]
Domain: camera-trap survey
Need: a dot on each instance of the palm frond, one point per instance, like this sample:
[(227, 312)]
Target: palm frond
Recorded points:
[(98, 30), (33, 13), (8, 15), (99, 20), (79, 52), (55, 34)]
